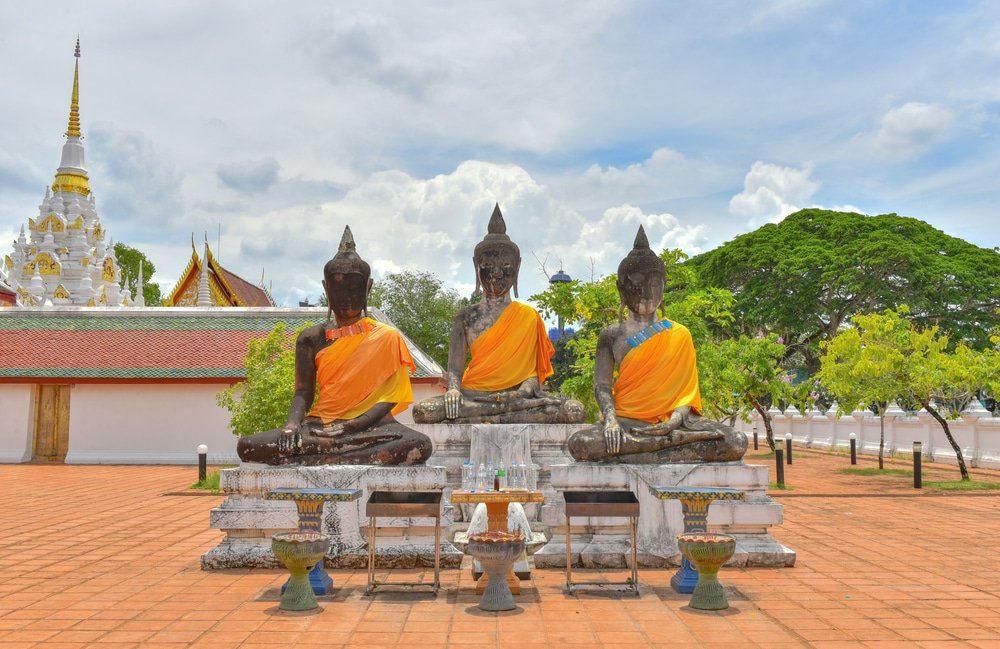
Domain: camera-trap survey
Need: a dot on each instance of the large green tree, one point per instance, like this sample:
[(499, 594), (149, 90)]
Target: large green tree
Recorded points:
[(129, 259), (421, 307), (806, 276)]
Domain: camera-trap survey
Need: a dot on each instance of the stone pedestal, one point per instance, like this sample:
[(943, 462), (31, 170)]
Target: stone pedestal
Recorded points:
[(249, 520), (597, 544)]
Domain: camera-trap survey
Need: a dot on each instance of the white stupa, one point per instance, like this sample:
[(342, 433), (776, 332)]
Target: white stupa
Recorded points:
[(63, 259)]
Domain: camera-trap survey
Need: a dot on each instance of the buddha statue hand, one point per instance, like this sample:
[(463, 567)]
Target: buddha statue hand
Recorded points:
[(452, 403), (290, 440), (664, 427), (334, 429), (614, 434)]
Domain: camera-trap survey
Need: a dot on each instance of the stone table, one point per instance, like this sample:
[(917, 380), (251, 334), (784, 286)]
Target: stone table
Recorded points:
[(309, 503), (496, 511), (694, 504)]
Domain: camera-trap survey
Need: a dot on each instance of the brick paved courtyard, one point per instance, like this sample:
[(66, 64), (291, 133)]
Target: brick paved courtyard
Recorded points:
[(99, 556)]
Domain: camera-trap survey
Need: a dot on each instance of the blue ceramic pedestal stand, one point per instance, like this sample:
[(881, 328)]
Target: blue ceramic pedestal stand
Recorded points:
[(309, 503), (694, 505)]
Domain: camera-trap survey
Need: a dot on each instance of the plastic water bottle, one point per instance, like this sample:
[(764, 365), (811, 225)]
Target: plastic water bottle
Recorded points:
[(517, 475), (467, 480), (481, 478)]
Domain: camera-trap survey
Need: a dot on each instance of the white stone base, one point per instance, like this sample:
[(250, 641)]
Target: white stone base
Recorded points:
[(249, 521), (595, 544)]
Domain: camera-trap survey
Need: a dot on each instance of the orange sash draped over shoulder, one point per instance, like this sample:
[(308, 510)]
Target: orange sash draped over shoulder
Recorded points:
[(514, 349), (356, 372), (658, 376)]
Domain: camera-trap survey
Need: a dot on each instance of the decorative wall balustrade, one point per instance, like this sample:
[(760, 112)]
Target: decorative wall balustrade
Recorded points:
[(976, 432)]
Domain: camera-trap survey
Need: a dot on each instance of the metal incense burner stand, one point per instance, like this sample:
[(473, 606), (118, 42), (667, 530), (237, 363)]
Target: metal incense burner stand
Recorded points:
[(621, 504), (403, 504)]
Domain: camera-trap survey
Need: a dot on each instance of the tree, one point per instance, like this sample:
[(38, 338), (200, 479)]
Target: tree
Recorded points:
[(866, 364), (738, 374), (939, 376), (261, 402), (805, 277), (417, 303), (888, 357), (128, 265)]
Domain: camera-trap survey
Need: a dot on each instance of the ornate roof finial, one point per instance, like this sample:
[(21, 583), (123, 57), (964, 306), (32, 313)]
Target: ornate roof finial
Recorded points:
[(347, 241), (140, 299), (204, 293), (73, 130), (640, 239)]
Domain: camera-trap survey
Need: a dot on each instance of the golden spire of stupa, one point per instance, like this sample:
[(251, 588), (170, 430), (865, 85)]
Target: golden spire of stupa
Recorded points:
[(73, 130), (71, 176)]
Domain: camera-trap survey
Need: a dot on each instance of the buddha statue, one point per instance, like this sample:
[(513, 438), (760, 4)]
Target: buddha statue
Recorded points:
[(509, 348), (359, 371), (652, 412)]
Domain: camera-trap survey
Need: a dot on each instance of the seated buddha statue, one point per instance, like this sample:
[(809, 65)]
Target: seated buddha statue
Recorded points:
[(652, 411), (509, 349), (352, 374)]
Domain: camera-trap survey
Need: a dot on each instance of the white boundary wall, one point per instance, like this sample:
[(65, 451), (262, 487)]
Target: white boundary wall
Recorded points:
[(17, 405), (135, 423), (975, 431)]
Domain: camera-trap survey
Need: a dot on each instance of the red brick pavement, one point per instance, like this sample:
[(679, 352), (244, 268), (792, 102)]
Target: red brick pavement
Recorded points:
[(95, 556)]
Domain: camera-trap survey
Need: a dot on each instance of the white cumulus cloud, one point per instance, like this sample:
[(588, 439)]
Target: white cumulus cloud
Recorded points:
[(772, 192), (911, 129)]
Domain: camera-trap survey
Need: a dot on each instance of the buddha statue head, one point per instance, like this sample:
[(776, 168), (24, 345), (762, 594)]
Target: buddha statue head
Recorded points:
[(497, 259), (347, 281), (641, 278)]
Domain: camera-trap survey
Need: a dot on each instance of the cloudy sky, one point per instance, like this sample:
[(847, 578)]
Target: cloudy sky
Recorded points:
[(278, 123)]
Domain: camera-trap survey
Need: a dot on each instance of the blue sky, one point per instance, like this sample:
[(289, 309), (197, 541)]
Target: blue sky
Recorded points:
[(280, 124)]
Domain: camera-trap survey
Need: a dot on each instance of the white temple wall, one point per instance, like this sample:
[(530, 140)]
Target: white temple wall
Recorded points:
[(976, 433), (16, 405), (148, 424), (137, 423)]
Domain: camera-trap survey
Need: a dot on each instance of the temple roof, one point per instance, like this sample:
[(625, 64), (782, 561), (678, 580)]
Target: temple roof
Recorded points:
[(154, 345), (226, 288)]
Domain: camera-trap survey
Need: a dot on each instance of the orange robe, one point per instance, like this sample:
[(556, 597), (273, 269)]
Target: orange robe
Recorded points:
[(514, 349), (356, 372), (658, 376)]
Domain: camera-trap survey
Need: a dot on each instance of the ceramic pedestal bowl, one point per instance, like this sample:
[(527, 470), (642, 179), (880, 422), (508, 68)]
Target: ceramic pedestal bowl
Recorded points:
[(299, 551), (707, 552), (496, 551)]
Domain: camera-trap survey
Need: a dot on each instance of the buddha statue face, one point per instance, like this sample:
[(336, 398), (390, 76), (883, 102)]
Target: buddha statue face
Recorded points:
[(496, 269), (641, 278), (347, 281), (642, 290), (347, 294)]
